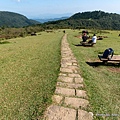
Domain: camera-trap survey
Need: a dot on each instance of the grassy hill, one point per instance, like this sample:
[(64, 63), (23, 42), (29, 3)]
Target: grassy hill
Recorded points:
[(11, 19), (94, 19)]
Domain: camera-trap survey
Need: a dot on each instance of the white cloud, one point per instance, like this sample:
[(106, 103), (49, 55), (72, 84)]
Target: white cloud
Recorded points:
[(18, 0)]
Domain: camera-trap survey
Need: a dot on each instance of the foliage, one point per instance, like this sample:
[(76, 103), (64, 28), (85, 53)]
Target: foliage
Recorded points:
[(8, 33)]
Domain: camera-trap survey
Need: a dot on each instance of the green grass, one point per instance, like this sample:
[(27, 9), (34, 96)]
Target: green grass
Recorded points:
[(30, 67), (28, 74), (102, 81)]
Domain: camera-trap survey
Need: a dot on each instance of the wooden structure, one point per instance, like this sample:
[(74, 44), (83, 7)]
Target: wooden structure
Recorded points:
[(87, 44), (115, 58)]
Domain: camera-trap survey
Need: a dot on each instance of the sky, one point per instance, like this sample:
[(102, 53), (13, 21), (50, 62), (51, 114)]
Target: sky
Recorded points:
[(41, 9)]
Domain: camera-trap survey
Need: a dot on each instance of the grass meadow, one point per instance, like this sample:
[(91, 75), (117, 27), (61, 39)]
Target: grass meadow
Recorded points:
[(28, 74), (102, 82), (30, 67)]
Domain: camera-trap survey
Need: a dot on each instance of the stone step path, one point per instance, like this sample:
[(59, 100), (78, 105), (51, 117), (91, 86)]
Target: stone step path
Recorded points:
[(70, 101)]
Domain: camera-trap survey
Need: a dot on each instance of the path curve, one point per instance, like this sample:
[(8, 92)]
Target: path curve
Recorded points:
[(70, 101)]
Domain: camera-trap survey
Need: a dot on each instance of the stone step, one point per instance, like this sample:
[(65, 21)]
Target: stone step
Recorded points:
[(65, 91), (84, 115), (55, 112), (76, 103), (70, 85), (65, 79)]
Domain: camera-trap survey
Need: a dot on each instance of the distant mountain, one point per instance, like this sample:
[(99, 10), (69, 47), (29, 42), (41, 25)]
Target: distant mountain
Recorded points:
[(52, 19), (11, 19), (94, 19)]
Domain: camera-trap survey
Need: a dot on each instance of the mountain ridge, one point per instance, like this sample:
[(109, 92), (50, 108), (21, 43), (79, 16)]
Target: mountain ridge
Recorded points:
[(12, 19), (50, 19), (90, 19)]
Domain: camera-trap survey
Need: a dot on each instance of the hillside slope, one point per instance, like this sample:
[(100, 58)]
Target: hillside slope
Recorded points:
[(94, 19), (11, 19)]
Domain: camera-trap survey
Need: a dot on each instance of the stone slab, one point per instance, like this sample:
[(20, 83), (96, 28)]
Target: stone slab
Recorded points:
[(66, 70), (60, 113), (65, 91), (65, 79), (76, 102), (62, 74), (70, 85), (74, 75), (79, 80), (81, 93), (84, 115), (73, 67)]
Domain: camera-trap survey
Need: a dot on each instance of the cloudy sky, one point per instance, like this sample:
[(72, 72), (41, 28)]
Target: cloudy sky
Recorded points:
[(54, 8)]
